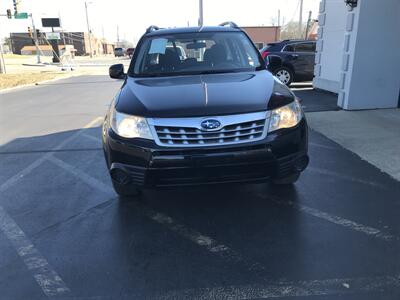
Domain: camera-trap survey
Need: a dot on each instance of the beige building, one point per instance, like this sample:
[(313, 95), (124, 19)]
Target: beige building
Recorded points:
[(47, 50), (21, 42), (262, 35)]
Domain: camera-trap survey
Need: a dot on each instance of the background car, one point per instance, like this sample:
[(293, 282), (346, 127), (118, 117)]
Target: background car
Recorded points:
[(119, 52), (298, 59), (130, 51)]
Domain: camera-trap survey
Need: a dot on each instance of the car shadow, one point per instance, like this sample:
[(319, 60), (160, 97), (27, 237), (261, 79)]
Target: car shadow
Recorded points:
[(158, 241)]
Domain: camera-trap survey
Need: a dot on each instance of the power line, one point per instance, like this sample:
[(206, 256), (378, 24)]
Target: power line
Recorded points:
[(294, 14)]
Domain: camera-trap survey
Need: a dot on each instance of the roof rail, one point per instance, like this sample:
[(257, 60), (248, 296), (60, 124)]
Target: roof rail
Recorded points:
[(231, 24), (152, 28)]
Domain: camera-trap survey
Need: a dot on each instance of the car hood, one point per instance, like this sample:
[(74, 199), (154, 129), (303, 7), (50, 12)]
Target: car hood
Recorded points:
[(196, 95)]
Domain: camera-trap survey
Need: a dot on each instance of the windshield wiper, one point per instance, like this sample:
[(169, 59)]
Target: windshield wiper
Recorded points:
[(217, 71), (189, 72)]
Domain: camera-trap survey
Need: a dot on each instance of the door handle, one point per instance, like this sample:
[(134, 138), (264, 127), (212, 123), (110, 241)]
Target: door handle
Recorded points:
[(294, 55)]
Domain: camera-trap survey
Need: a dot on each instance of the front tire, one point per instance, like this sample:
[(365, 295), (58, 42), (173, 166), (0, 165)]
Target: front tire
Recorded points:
[(291, 179), (126, 190), (285, 75)]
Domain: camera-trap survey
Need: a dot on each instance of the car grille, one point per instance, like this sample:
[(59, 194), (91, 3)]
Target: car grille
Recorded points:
[(192, 136)]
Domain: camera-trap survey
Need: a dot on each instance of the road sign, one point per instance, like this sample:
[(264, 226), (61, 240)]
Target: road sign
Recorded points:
[(53, 35), (23, 15), (51, 22)]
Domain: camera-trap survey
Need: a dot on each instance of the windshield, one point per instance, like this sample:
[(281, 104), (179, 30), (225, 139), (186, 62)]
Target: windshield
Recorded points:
[(195, 53)]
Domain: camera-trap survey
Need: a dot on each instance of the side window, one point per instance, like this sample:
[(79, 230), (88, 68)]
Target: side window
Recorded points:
[(289, 48), (248, 54), (305, 47)]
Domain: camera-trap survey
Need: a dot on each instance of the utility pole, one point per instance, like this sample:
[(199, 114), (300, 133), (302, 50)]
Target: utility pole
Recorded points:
[(2, 62), (200, 22), (89, 32), (301, 19), (308, 24), (117, 36), (279, 17), (35, 37), (62, 32)]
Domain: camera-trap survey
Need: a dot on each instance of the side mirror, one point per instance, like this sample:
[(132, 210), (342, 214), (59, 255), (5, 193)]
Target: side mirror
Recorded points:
[(117, 71), (273, 62)]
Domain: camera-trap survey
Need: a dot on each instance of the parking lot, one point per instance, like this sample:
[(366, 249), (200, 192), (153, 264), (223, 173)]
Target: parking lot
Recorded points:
[(64, 233)]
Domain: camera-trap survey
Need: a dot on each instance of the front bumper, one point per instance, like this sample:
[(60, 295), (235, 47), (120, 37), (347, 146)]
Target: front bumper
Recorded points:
[(143, 163)]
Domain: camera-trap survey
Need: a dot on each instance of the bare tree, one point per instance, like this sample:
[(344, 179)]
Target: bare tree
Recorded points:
[(125, 44), (291, 31)]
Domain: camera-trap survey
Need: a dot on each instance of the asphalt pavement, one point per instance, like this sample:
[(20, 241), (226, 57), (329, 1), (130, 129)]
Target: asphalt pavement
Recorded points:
[(314, 100), (64, 234)]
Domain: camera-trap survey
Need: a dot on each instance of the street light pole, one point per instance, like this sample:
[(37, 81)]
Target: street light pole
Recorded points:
[(2, 62), (88, 26), (200, 22), (35, 37)]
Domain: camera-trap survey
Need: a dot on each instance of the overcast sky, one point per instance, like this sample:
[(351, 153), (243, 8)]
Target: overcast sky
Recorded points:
[(134, 16)]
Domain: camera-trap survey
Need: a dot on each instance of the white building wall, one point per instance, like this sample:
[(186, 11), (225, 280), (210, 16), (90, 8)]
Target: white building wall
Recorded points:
[(328, 60), (358, 53), (370, 75)]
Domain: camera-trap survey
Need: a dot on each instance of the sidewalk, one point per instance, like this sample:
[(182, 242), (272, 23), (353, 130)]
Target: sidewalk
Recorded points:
[(374, 134), (18, 64), (22, 70)]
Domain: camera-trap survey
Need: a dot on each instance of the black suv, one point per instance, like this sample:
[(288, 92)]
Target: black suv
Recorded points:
[(297, 57), (212, 115)]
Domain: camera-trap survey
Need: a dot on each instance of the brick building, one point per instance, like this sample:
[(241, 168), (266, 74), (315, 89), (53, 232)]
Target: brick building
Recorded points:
[(79, 40), (262, 35)]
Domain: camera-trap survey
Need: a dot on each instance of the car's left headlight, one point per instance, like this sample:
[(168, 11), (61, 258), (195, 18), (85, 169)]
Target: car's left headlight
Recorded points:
[(129, 126), (286, 116)]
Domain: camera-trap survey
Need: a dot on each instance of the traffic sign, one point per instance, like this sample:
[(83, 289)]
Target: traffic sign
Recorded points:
[(53, 35), (22, 15)]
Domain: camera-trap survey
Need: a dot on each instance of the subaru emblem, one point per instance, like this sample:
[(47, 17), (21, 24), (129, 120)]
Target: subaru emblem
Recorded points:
[(210, 124)]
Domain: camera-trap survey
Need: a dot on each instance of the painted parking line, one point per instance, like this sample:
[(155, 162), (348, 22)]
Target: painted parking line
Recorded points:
[(280, 289), (345, 177), (12, 180), (194, 236), (368, 230), (50, 282), (201, 240), (91, 181), (48, 279), (91, 137), (312, 144)]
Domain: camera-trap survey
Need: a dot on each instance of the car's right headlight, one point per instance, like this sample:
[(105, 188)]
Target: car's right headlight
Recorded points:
[(129, 126), (285, 116)]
